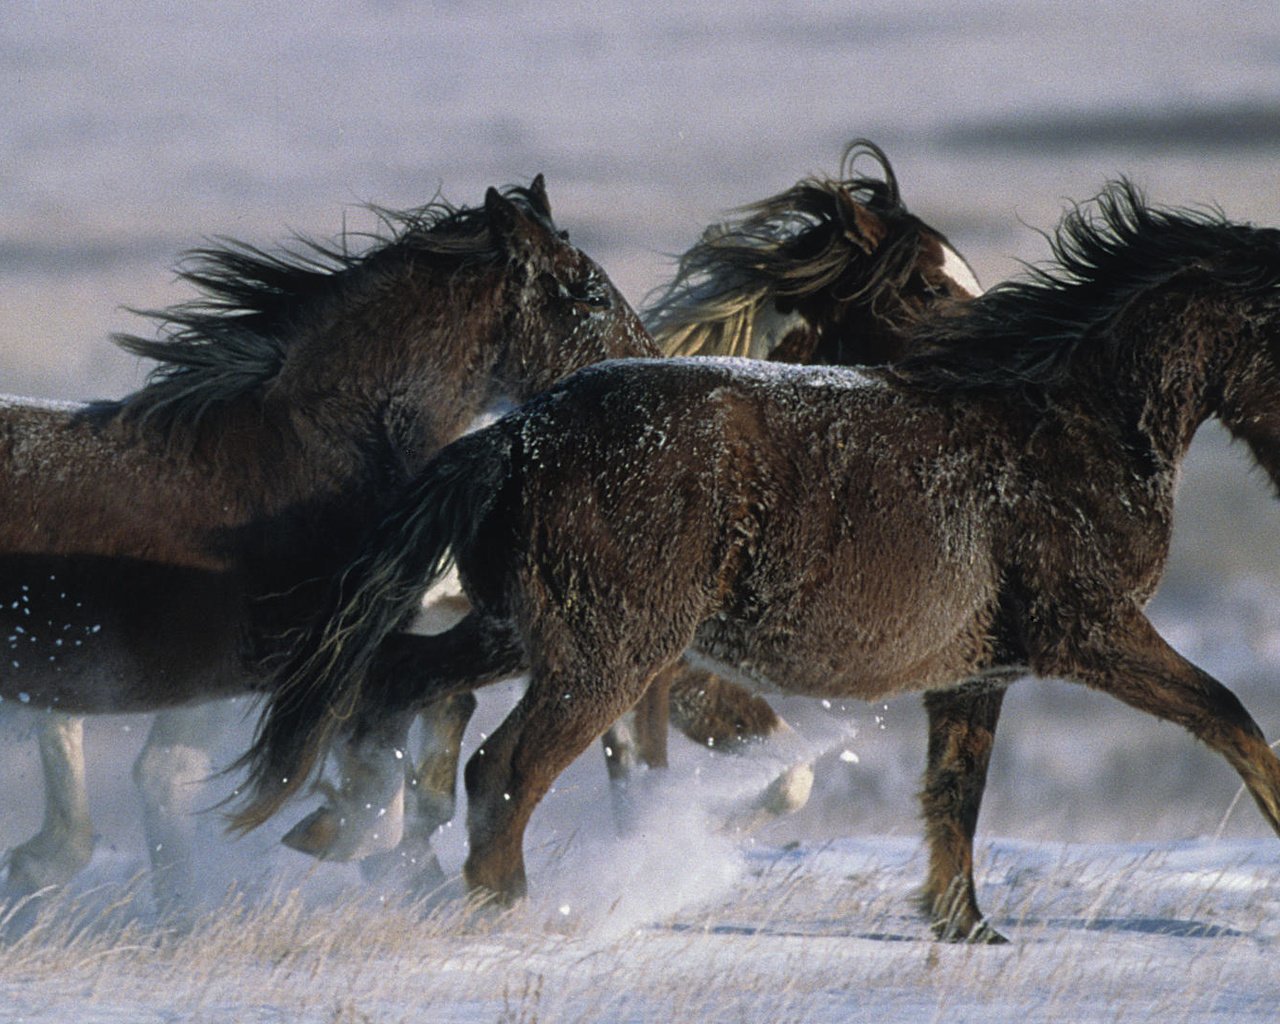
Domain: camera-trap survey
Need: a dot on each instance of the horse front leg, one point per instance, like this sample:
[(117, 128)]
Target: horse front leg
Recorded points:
[(64, 844), (715, 713), (1135, 664), (433, 785), (430, 799), (962, 728), (652, 716)]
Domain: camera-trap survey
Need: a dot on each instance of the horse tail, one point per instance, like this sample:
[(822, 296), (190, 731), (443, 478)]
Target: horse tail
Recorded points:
[(321, 684)]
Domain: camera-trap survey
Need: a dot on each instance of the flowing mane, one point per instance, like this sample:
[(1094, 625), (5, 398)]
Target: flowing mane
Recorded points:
[(1021, 334), (233, 338), (787, 247)]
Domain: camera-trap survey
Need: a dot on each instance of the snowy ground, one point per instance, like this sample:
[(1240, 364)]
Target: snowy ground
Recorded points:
[(681, 921), (808, 933)]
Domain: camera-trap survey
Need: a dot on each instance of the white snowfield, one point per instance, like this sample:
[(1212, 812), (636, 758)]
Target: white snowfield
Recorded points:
[(812, 933)]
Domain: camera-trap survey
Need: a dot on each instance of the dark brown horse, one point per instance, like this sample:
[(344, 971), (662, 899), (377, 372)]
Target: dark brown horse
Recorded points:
[(829, 270), (155, 551), (998, 504)]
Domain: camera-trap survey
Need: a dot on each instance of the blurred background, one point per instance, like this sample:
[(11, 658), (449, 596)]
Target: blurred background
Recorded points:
[(132, 131)]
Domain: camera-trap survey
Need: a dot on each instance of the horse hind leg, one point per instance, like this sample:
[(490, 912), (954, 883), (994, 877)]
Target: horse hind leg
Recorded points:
[(559, 716), (962, 725), (64, 844)]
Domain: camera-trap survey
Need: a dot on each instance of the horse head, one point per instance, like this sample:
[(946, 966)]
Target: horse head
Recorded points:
[(830, 270), (888, 267), (566, 312), (1250, 403)]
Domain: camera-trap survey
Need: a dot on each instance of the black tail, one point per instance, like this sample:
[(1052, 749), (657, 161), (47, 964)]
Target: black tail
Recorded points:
[(321, 683)]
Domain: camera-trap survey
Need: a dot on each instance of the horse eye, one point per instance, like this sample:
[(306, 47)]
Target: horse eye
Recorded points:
[(589, 292)]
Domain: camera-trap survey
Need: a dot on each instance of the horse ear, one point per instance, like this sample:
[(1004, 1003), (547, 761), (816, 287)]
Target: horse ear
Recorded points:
[(864, 228), (538, 196), (510, 226)]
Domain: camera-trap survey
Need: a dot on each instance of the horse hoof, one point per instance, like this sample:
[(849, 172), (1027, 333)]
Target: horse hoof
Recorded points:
[(416, 873), (789, 791), (316, 835), (48, 859), (328, 835), (982, 934), (979, 934)]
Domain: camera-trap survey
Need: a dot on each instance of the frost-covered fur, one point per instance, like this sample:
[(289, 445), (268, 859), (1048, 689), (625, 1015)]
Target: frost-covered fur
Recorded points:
[(1003, 507), (832, 269)]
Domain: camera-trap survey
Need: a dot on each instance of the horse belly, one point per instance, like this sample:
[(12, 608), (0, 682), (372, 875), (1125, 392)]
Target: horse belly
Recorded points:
[(90, 635), (886, 613), (845, 664)]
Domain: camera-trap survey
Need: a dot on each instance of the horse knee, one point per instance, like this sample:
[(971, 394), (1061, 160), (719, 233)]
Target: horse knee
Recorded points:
[(166, 776)]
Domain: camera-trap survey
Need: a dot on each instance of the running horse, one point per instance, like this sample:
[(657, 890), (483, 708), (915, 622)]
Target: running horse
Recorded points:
[(830, 270), (999, 503), (155, 551)]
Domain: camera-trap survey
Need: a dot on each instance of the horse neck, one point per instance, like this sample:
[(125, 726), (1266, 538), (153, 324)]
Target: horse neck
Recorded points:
[(1164, 364), (1249, 408), (407, 365), (536, 359), (864, 337)]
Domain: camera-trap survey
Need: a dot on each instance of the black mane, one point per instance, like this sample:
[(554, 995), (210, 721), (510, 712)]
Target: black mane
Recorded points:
[(1021, 334), (798, 243), (234, 337)]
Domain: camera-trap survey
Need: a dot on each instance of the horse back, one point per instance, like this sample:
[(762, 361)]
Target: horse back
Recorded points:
[(77, 484)]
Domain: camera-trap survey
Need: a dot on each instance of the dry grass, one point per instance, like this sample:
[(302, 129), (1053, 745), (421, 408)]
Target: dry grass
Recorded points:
[(809, 935)]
